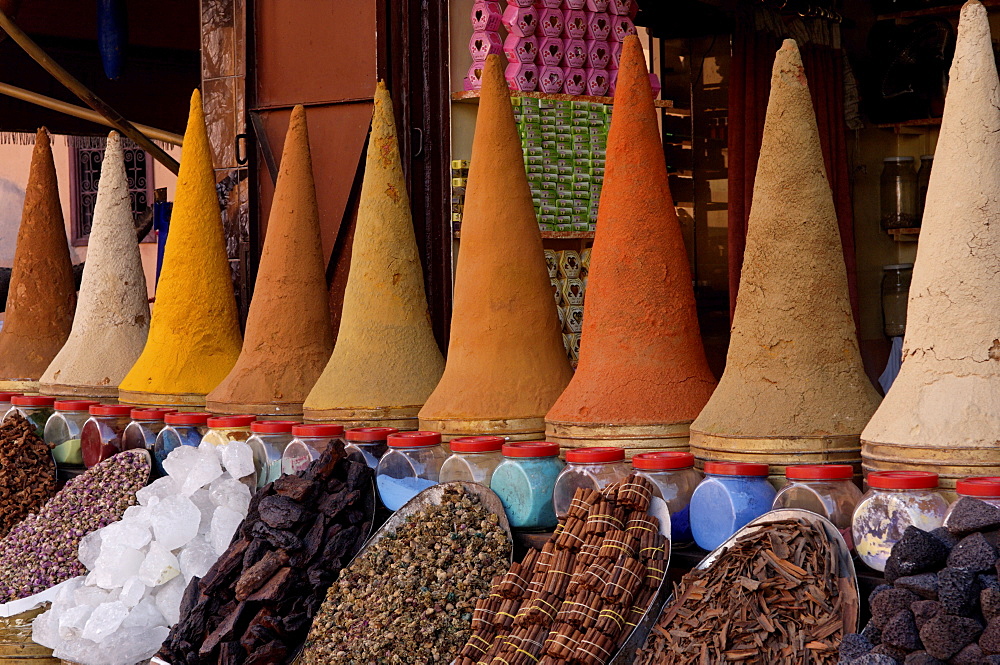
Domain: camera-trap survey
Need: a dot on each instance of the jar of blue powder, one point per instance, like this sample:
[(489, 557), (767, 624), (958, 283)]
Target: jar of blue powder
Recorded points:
[(592, 468), (674, 479), (824, 489), (184, 428), (309, 442), (412, 464), (524, 481), (731, 495), (268, 440), (473, 459), (368, 444)]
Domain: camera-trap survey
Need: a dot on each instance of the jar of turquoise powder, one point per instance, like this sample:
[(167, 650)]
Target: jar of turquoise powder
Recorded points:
[(412, 464), (268, 440), (309, 443), (731, 495), (368, 444), (592, 468), (674, 480), (473, 459), (524, 481), (62, 431)]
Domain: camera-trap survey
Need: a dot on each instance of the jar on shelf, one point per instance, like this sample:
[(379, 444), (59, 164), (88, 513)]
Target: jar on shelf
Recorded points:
[(5, 402), (309, 442), (223, 429), (36, 409), (674, 479), (898, 193), (824, 489), (181, 428), (473, 459), (984, 488), (268, 440), (142, 431), (525, 481), (62, 431), (101, 435), (594, 468), (894, 501), (368, 444), (895, 295), (731, 495), (411, 465), (923, 182)]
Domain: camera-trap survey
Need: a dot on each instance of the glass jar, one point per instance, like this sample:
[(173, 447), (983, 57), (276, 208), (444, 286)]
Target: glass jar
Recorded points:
[(473, 459), (268, 440), (62, 431), (411, 465), (674, 478), (101, 435), (309, 443), (5, 402), (37, 409), (895, 295), (142, 431), (731, 495), (595, 468), (223, 429), (824, 489), (894, 501), (368, 444), (181, 428), (898, 193), (525, 481), (923, 181), (984, 488)]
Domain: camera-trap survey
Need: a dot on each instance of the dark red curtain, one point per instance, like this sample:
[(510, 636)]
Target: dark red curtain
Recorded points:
[(749, 87)]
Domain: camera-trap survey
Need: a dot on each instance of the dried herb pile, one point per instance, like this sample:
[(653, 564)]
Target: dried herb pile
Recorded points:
[(579, 598), (255, 605), (409, 598), (772, 598), (27, 472), (942, 600)]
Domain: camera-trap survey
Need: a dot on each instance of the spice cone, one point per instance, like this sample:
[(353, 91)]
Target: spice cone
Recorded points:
[(194, 337), (112, 316), (42, 294), (386, 361), (794, 389), (642, 376), (506, 361), (289, 334), (942, 413)]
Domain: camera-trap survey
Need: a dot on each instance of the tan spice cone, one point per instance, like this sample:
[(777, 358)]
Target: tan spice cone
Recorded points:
[(112, 316), (642, 376), (194, 336), (289, 333), (794, 389), (42, 294), (506, 361), (942, 413), (386, 361)]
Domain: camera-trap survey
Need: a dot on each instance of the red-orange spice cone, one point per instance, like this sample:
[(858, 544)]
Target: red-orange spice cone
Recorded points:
[(289, 334), (506, 361), (642, 376), (42, 296)]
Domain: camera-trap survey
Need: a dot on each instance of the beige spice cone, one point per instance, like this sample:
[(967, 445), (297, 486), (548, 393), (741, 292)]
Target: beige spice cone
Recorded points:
[(385, 362)]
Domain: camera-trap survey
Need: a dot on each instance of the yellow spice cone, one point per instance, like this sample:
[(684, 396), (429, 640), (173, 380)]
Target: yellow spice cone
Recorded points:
[(506, 361), (386, 361), (289, 333), (194, 336), (794, 389), (112, 317), (42, 294)]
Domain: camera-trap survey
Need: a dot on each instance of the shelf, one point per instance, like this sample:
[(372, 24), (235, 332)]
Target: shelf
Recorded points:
[(472, 97), (904, 235), (919, 122), (943, 10), (688, 175)]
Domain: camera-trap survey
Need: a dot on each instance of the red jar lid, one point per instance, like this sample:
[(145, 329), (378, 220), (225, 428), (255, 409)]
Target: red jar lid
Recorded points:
[(819, 472), (595, 455), (988, 486), (903, 480), (221, 422), (369, 434), (531, 449), (326, 431), (150, 414), (476, 444), (663, 461), (32, 400), (273, 426), (736, 469), (6, 397), (413, 439), (110, 410), (186, 418), (74, 404)]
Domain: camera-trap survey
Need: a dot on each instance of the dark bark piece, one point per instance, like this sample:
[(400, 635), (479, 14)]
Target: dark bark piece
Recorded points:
[(282, 540), (228, 564), (226, 629), (272, 590), (295, 488), (255, 577), (272, 652)]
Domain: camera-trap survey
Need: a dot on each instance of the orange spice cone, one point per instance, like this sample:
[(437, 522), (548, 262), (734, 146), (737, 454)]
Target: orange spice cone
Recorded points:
[(642, 376), (112, 317), (194, 336), (42, 294), (386, 361), (289, 334), (506, 361), (794, 389)]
